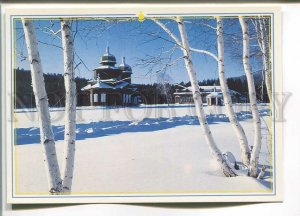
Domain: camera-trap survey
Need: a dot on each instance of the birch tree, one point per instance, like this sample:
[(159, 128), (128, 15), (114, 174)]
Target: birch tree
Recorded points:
[(252, 97), (263, 41), (70, 107), (245, 151), (185, 48), (38, 84)]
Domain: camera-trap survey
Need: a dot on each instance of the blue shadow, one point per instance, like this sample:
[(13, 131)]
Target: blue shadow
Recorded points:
[(99, 129)]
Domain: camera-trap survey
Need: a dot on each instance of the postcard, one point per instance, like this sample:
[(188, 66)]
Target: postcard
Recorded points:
[(142, 103)]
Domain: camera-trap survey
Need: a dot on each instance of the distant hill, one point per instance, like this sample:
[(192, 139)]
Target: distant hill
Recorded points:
[(258, 77), (260, 86)]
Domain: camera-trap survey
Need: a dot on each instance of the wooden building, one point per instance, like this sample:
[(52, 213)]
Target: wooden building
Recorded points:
[(111, 85), (212, 95)]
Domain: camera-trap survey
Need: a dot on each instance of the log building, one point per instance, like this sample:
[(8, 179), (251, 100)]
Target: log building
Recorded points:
[(111, 84)]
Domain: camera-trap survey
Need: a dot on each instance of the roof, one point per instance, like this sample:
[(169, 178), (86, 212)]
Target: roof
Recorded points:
[(182, 93), (210, 88), (214, 95), (112, 80), (107, 67), (205, 89), (125, 67), (103, 85), (97, 85), (121, 85), (108, 58), (87, 87)]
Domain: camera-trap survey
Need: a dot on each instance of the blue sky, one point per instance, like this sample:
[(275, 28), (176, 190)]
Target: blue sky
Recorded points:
[(136, 41)]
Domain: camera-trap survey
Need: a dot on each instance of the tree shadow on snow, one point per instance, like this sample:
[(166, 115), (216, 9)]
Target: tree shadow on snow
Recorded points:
[(106, 128)]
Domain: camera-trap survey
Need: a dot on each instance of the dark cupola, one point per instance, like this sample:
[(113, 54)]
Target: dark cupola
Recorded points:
[(107, 69), (107, 58), (126, 71)]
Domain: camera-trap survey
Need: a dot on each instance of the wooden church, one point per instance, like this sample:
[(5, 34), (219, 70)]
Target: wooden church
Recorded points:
[(111, 84)]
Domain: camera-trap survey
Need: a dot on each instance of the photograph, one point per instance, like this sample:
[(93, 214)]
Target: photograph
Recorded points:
[(173, 105)]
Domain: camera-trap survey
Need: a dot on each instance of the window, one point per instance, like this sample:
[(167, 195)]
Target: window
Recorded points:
[(95, 98), (125, 98), (103, 98)]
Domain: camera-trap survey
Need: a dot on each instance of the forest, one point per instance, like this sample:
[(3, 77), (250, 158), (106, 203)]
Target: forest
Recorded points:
[(151, 93)]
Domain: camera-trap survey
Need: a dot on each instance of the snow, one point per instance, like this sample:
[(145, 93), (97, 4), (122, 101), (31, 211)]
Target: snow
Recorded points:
[(207, 88), (146, 149), (214, 94)]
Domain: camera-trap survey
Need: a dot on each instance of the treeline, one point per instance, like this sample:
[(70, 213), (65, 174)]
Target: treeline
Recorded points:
[(151, 93), (54, 84), (156, 93)]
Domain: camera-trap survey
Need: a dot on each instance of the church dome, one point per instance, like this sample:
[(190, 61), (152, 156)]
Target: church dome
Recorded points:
[(125, 67), (107, 58)]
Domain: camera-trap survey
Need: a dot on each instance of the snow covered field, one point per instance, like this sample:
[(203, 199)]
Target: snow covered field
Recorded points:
[(146, 149)]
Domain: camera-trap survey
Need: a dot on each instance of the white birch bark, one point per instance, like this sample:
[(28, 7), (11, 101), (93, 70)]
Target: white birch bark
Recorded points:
[(245, 151), (41, 99), (253, 103), (227, 170), (70, 106), (265, 57), (262, 172)]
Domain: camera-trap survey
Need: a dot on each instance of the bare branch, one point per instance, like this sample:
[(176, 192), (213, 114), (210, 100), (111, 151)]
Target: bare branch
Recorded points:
[(77, 65), (205, 52), (48, 44), (207, 25), (165, 28), (81, 60), (50, 31), (168, 65)]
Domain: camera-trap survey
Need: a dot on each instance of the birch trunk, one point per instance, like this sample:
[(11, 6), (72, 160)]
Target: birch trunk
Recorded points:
[(245, 151), (185, 47), (70, 106), (41, 99), (252, 96), (265, 57)]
